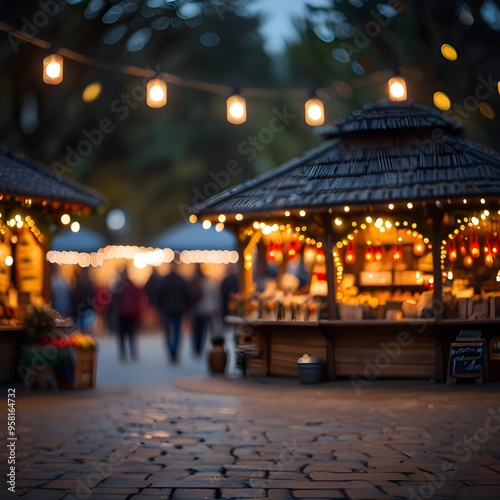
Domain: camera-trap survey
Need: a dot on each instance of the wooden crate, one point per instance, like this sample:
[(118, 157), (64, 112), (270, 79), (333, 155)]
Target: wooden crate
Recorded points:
[(84, 364)]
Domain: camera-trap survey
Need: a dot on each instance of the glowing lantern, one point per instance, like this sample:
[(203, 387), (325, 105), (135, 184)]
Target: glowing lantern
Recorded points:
[(468, 261), (274, 252), (369, 254), (314, 112), (236, 107), (452, 250), (489, 260), (156, 93), (419, 248), (397, 253), (309, 254), (397, 89), (495, 245), (462, 248), (53, 69), (292, 249), (350, 253), (378, 253), (474, 245), (320, 256)]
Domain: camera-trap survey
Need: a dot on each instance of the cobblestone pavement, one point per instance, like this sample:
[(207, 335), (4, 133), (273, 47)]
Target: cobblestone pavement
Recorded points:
[(397, 439)]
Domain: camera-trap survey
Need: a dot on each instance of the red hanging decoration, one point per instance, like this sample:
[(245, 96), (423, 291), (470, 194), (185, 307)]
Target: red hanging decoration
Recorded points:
[(350, 253), (495, 245), (462, 247), (293, 249), (468, 261), (271, 252), (378, 253), (489, 258), (474, 247), (452, 250), (369, 254), (320, 256), (397, 253)]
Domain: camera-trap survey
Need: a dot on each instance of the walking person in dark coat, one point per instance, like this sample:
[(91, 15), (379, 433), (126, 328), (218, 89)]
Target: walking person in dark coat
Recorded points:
[(130, 304), (173, 301)]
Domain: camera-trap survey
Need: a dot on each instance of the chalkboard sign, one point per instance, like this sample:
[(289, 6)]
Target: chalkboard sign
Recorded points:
[(467, 359)]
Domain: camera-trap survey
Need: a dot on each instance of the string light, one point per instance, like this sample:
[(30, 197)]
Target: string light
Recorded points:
[(53, 74), (156, 93), (397, 89), (53, 69), (236, 109), (314, 112)]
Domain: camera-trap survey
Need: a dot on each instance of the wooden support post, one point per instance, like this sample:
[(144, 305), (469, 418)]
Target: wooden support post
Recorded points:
[(331, 279), (437, 237)]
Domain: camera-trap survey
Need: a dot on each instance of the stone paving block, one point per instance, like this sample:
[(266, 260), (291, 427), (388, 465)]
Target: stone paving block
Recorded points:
[(37, 474), (230, 493), (64, 484), (309, 485), (335, 466), (279, 495), (147, 496), (44, 494), (125, 491), (246, 473), (29, 483), (124, 482), (193, 494), (202, 483), (372, 477), (478, 492), (371, 493), (287, 475), (327, 494)]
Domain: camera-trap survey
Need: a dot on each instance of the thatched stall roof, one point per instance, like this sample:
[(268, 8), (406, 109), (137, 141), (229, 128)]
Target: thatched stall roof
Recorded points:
[(384, 153), (21, 178)]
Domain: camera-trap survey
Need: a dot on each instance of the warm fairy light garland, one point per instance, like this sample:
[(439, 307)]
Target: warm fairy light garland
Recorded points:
[(236, 110), (156, 87), (141, 256)]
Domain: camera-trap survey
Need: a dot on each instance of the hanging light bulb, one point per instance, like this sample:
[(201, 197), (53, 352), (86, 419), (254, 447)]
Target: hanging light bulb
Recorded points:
[(350, 253), (369, 254), (489, 260), (320, 256), (397, 89), (236, 107), (419, 248), (53, 69), (475, 250), (468, 261), (463, 247), (495, 245), (452, 250), (271, 250), (378, 253), (156, 93), (397, 253), (314, 112), (292, 249)]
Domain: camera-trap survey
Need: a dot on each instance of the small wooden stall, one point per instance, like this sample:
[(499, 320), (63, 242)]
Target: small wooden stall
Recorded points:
[(33, 203), (382, 244)]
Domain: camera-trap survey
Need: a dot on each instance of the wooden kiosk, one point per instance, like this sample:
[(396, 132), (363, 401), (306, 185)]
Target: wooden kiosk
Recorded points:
[(394, 219), (33, 203)]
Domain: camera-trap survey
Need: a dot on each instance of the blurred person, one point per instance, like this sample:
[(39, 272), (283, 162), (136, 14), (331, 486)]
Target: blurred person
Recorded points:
[(173, 301), (130, 302), (60, 292), (150, 288), (206, 308), (229, 287), (82, 300)]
